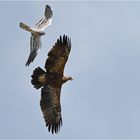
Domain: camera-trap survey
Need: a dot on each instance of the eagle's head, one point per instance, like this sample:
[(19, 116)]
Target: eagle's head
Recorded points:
[(65, 79)]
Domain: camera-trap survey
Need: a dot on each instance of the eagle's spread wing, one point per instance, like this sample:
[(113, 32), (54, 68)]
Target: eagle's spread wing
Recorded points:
[(35, 45), (58, 55), (46, 20), (50, 106)]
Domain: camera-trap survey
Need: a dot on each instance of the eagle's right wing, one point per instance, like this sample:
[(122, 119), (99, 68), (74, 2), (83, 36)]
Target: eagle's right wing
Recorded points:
[(35, 45), (50, 106)]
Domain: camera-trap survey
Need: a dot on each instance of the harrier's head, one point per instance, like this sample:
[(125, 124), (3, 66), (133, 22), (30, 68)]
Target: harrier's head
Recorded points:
[(43, 33)]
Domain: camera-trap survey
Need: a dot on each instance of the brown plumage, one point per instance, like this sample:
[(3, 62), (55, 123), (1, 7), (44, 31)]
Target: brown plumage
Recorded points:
[(52, 80)]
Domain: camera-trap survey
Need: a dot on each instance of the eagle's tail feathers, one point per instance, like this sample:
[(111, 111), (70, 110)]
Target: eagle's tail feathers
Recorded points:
[(38, 78)]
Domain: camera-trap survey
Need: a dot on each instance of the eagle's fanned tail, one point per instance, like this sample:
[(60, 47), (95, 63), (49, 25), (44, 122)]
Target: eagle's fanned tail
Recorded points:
[(38, 78)]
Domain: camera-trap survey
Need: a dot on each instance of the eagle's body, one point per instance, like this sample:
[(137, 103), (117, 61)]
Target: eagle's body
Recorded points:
[(37, 32), (51, 82)]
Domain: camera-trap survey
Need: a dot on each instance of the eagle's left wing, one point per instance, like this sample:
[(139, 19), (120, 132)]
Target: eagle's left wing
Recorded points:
[(50, 106), (35, 45), (46, 20)]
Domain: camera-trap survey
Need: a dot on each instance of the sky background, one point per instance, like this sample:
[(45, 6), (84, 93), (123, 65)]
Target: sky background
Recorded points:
[(103, 101)]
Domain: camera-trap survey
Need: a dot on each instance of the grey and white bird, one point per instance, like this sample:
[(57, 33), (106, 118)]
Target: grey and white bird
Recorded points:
[(37, 32)]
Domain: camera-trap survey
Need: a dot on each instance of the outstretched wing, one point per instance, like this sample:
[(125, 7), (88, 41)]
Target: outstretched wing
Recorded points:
[(50, 106), (25, 27), (35, 45), (58, 55), (46, 20)]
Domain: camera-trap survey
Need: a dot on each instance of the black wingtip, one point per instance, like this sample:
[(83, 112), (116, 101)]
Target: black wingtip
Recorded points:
[(20, 24), (48, 6), (48, 12), (65, 39), (28, 63)]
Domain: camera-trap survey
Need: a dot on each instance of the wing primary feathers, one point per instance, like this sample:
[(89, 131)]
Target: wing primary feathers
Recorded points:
[(48, 12)]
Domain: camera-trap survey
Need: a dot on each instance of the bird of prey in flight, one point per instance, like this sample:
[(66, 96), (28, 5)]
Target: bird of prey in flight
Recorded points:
[(51, 81), (37, 32)]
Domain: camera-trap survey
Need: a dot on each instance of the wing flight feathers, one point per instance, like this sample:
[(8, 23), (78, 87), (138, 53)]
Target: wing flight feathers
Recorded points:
[(51, 109), (35, 45), (58, 55), (46, 20)]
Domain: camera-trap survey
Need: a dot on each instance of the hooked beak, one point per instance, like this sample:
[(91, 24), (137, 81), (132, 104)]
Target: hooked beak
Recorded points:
[(72, 79)]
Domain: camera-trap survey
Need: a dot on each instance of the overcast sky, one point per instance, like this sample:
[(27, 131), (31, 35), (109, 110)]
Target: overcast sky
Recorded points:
[(103, 101)]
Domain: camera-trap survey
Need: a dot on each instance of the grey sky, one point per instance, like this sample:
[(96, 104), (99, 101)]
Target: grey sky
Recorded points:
[(103, 100)]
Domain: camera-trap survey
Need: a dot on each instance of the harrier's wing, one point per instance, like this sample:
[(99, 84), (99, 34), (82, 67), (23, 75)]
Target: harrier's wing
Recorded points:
[(25, 27), (58, 55), (50, 106), (35, 45), (46, 20)]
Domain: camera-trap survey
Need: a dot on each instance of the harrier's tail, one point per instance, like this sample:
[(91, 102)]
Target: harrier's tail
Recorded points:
[(25, 27), (38, 78)]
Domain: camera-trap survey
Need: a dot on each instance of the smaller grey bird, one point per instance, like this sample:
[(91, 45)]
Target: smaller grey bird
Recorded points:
[(37, 32)]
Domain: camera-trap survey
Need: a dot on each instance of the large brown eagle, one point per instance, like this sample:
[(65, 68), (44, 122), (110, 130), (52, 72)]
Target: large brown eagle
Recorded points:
[(51, 82)]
